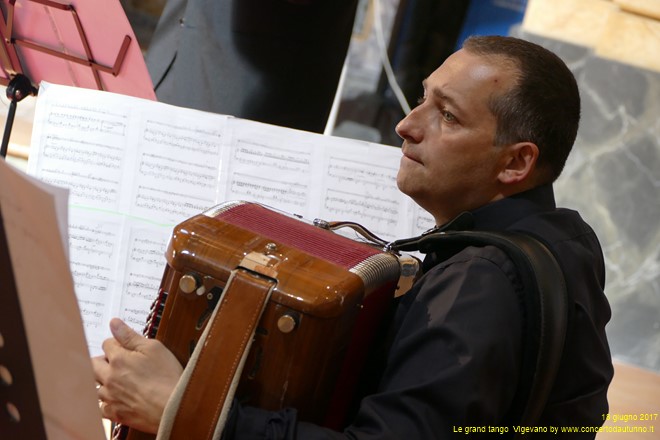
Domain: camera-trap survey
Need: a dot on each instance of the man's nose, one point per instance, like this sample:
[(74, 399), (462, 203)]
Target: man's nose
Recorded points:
[(409, 127)]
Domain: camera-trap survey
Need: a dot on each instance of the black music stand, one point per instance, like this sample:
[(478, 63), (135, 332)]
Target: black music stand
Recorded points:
[(19, 87), (54, 44)]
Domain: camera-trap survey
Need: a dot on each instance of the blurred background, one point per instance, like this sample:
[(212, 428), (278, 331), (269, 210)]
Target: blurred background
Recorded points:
[(613, 175)]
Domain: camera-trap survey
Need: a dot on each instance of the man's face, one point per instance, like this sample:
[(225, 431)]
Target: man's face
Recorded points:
[(449, 162)]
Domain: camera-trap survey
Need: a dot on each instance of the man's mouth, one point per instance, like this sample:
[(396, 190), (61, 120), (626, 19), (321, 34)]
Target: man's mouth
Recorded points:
[(412, 157)]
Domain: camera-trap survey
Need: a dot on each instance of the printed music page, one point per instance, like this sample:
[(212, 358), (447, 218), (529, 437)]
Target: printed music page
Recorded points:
[(358, 183), (317, 176), (272, 165), (136, 168), (51, 317)]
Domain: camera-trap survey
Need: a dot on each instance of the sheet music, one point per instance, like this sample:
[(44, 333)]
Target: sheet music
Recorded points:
[(359, 184), (270, 165), (136, 168), (94, 252), (177, 164), (51, 316), (142, 271)]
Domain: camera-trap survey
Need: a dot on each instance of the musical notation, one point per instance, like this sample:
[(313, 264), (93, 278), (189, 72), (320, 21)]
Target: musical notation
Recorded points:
[(90, 278), (87, 119), (92, 313), (81, 152), (178, 171), (135, 317), (360, 185), (135, 168), (362, 206), (171, 205), (248, 152), (379, 214), (182, 137), (144, 269), (90, 245), (347, 171), (141, 286), (269, 191), (147, 251)]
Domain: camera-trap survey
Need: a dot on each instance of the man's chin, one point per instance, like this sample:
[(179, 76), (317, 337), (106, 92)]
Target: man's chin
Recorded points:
[(404, 186), (400, 183)]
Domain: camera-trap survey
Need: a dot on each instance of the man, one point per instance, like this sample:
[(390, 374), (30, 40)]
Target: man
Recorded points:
[(490, 135)]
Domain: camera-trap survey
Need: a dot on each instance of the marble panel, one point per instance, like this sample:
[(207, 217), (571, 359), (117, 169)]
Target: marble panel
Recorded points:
[(613, 179)]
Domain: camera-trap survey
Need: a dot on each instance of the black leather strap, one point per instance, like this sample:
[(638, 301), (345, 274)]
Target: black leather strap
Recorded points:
[(545, 302)]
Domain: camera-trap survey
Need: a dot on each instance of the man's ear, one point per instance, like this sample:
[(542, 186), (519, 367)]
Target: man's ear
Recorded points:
[(520, 163)]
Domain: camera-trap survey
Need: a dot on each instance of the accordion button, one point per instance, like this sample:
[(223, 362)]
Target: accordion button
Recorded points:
[(188, 283), (287, 323)]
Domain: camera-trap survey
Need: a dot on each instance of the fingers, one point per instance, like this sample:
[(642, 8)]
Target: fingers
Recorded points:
[(105, 413), (105, 397), (129, 408), (101, 369), (103, 394), (109, 411), (126, 336), (124, 340)]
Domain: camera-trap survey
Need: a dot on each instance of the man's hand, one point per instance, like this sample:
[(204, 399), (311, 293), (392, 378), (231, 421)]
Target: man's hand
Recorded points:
[(136, 377)]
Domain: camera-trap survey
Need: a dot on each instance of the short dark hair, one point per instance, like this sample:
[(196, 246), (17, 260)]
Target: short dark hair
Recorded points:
[(544, 105)]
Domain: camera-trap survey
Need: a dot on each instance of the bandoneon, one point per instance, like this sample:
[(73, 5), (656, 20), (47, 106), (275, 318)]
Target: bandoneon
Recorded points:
[(274, 311)]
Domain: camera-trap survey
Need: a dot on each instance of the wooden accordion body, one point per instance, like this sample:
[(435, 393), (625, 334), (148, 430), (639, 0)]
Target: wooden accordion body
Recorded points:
[(311, 341)]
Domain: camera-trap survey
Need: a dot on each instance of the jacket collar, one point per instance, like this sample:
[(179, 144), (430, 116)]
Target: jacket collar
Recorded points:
[(501, 214)]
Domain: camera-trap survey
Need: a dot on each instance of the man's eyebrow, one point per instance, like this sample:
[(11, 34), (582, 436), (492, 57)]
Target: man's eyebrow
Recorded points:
[(440, 95)]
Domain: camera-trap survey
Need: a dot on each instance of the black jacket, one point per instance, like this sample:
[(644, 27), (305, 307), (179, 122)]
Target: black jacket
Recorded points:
[(454, 357)]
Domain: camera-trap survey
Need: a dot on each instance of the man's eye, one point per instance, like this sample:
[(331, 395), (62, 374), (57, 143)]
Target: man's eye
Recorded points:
[(447, 116)]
